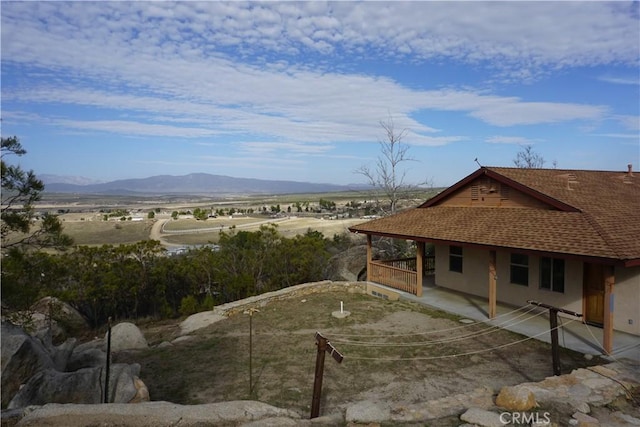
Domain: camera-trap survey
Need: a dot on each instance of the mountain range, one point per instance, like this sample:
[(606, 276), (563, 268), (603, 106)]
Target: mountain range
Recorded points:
[(195, 183)]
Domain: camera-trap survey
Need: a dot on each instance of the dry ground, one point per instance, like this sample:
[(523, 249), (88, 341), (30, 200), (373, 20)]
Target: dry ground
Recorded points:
[(214, 365)]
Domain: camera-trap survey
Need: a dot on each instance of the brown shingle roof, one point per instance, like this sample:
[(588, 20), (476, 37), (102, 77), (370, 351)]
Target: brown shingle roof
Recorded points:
[(597, 214)]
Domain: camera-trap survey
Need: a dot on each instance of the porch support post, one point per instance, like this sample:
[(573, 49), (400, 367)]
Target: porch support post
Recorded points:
[(492, 284), (419, 267), (609, 281), (369, 257)]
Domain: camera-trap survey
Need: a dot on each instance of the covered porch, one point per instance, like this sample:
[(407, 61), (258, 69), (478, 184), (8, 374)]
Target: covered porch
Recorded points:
[(576, 335), (410, 274)]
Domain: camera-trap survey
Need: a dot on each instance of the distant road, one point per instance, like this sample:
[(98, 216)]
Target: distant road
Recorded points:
[(157, 230)]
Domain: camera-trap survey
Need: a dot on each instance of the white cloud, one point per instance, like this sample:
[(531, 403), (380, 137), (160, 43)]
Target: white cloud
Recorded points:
[(632, 81), (517, 140)]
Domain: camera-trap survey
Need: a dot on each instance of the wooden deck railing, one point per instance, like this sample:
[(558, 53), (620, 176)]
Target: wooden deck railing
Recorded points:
[(398, 278), (400, 273)]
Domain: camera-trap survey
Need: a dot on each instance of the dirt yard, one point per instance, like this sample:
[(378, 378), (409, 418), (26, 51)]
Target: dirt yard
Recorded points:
[(394, 351)]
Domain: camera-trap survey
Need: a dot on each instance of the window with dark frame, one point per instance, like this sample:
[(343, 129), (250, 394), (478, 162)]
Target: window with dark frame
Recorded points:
[(552, 274), (455, 259), (519, 269)]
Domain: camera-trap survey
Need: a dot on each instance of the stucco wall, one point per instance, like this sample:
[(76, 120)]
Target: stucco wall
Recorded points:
[(475, 280), (627, 300)]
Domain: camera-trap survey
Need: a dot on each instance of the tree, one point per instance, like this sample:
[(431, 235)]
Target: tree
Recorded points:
[(20, 190), (387, 177), (528, 159)]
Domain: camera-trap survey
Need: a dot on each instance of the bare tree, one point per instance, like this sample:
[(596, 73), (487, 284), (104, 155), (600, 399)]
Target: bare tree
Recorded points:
[(387, 177), (528, 159)]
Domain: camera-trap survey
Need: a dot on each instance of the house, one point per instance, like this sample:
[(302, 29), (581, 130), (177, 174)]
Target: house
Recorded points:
[(566, 238)]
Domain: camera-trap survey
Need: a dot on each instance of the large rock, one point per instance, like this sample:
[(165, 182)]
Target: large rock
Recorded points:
[(22, 357), (65, 320), (348, 265), (127, 336), (87, 358), (199, 321), (154, 414), (516, 399), (82, 386), (368, 412), (482, 417)]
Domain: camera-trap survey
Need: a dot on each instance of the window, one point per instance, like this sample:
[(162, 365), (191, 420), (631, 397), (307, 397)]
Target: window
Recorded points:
[(520, 269), (552, 274), (455, 258)]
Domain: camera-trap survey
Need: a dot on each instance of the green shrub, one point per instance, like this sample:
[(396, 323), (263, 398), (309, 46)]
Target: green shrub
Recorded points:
[(188, 305)]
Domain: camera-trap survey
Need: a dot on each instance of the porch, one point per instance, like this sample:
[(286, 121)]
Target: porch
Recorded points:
[(574, 335), (401, 274)]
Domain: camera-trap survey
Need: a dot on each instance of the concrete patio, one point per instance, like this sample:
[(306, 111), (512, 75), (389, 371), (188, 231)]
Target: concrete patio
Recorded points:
[(573, 333)]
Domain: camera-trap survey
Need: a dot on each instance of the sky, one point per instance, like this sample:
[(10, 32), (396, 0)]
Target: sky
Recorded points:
[(298, 90)]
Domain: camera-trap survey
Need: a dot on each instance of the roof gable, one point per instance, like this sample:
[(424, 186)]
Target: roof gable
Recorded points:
[(485, 177)]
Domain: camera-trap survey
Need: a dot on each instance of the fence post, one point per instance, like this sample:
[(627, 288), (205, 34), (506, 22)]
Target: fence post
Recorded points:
[(106, 376)]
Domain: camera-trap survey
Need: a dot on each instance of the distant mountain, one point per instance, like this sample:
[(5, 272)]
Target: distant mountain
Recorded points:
[(196, 184)]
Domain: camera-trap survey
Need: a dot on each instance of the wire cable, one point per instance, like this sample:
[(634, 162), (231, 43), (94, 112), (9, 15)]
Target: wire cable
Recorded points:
[(529, 308), (486, 331), (604, 352), (448, 356)]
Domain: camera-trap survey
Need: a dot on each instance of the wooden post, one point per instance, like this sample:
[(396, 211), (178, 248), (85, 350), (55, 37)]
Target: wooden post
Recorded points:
[(369, 257), (419, 267), (250, 313), (607, 338), (493, 278), (323, 346), (106, 376), (555, 346), (553, 326), (321, 342)]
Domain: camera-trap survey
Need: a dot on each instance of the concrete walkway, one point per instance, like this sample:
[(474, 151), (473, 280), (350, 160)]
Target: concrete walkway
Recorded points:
[(573, 334)]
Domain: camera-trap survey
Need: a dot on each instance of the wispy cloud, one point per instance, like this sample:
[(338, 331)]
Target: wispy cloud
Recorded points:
[(517, 140), (632, 81)]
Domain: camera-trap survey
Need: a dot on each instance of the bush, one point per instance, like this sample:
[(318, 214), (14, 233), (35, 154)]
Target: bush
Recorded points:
[(188, 305), (208, 303)]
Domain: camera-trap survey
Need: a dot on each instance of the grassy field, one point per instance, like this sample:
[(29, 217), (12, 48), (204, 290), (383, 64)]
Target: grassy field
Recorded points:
[(284, 352), (107, 232)]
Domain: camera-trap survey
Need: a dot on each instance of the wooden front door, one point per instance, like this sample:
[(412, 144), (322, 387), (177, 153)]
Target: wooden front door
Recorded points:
[(594, 293)]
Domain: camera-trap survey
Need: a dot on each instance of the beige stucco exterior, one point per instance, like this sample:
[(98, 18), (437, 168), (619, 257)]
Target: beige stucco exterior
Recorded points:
[(474, 280), (627, 300)]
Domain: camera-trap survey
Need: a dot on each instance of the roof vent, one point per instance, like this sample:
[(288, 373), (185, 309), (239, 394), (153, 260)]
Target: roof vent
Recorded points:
[(570, 178)]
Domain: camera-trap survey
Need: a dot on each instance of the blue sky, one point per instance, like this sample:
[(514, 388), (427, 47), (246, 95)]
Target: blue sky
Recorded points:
[(296, 91)]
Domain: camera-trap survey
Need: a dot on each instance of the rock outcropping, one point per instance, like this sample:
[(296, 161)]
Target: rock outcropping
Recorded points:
[(34, 372)]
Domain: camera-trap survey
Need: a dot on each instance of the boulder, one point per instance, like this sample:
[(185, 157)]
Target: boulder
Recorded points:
[(199, 321), (155, 414), (368, 412), (22, 357), (482, 417), (82, 386), (89, 358), (127, 336), (67, 319), (516, 399), (348, 265)]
